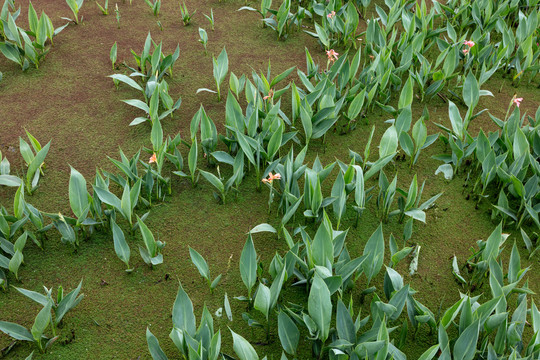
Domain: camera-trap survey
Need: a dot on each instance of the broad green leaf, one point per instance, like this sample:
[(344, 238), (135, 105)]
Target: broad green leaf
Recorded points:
[(153, 346), (248, 264), (406, 96), (345, 324), (322, 247), (68, 302), (41, 322), (19, 203), (221, 67), (15, 263), (35, 296), (200, 263), (37, 162), (264, 227), (456, 120), (320, 306), (243, 348), (471, 91), (389, 142), (10, 180), (78, 194), (214, 180), (374, 250), (262, 300), (288, 332), (465, 345), (182, 314), (430, 353), (126, 80), (108, 198), (16, 331), (148, 238), (121, 247)]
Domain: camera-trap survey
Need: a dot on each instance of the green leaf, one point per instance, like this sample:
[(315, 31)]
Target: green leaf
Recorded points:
[(356, 105), (121, 247), (10, 180), (320, 306), (153, 346), (264, 227), (214, 180), (36, 163), (108, 198), (15, 263), (288, 332), (182, 314), (148, 238), (275, 142), (430, 353), (514, 266), (262, 300), (125, 203), (471, 91), (491, 250), (113, 54), (127, 80), (322, 247), (389, 142), (406, 96), (200, 263), (243, 348), (455, 119), (18, 203), (68, 302), (374, 250), (227, 307), (41, 322), (221, 67), (465, 345), (344, 323), (35, 296), (16, 331), (248, 264), (78, 194), (192, 158)]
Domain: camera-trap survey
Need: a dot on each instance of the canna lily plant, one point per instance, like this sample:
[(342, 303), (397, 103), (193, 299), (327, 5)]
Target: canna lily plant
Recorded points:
[(221, 68), (35, 160), (105, 8), (151, 253), (155, 5), (202, 266), (51, 306), (75, 6)]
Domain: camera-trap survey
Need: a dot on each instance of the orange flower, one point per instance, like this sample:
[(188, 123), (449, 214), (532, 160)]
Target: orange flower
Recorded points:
[(332, 55), (270, 95), (271, 177), (153, 158)]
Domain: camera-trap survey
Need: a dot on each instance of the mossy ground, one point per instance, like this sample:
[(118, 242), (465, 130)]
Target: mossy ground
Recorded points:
[(71, 102)]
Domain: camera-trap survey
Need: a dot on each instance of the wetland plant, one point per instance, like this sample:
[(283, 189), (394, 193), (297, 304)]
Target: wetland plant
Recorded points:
[(210, 18), (75, 6), (155, 5), (186, 16), (52, 313), (201, 265), (105, 8)]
